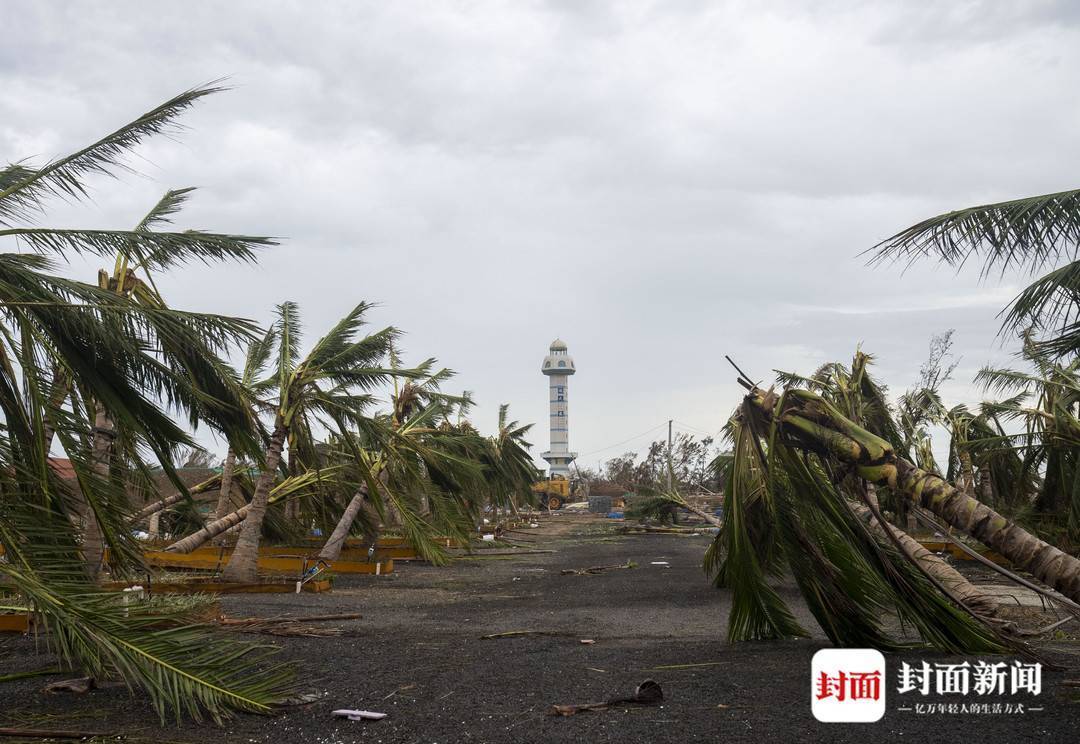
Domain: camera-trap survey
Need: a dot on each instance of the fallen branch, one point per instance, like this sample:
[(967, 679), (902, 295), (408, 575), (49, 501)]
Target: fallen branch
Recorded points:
[(517, 633), (286, 619), (595, 569), (647, 693), (287, 626), (52, 734)]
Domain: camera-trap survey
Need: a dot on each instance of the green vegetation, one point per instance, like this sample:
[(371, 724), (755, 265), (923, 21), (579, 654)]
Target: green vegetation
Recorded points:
[(102, 372)]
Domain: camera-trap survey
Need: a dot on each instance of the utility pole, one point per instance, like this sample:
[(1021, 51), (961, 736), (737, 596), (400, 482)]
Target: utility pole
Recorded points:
[(670, 468)]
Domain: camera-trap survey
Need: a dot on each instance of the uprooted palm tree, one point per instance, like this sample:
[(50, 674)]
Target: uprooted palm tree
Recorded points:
[(861, 399), (800, 420), (67, 348), (786, 510)]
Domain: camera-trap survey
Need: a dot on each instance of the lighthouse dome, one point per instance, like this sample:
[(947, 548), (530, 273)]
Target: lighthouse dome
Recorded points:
[(558, 361)]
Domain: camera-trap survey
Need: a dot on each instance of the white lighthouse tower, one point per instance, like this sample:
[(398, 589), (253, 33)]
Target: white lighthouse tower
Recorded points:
[(558, 366)]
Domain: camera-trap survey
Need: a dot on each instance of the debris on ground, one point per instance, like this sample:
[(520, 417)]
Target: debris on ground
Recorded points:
[(79, 685), (647, 693), (519, 633), (358, 715), (595, 569), (28, 733), (287, 626)]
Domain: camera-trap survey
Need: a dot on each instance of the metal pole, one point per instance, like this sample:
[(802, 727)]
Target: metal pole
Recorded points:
[(670, 468)]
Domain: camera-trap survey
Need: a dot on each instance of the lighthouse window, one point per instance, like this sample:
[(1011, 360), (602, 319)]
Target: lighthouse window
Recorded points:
[(547, 364), (562, 363), (561, 414)]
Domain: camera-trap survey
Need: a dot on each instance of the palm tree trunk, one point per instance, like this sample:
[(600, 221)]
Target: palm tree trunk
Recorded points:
[(158, 506), (710, 518), (1027, 552), (244, 564), (331, 551), (967, 474), (60, 389), (811, 423), (93, 543), (165, 503), (210, 531), (986, 486), (153, 529), (955, 584), (224, 502)]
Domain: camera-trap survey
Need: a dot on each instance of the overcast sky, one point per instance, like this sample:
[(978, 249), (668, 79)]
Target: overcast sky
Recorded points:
[(659, 184)]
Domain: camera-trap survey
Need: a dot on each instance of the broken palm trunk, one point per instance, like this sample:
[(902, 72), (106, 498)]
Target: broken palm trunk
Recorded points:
[(955, 584), (787, 512), (807, 422)]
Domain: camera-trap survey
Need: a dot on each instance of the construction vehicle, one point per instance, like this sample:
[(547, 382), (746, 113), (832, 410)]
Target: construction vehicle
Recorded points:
[(556, 492)]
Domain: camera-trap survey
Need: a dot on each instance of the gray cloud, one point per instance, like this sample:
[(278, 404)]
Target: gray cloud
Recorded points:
[(657, 183)]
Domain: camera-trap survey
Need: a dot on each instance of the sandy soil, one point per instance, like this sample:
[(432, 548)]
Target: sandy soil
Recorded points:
[(417, 655)]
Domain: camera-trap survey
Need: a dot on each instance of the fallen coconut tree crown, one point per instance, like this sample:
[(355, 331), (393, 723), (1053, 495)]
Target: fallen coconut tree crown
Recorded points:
[(798, 466)]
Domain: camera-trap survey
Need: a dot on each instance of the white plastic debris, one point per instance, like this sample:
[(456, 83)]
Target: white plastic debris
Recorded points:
[(660, 563), (358, 715), (488, 537)]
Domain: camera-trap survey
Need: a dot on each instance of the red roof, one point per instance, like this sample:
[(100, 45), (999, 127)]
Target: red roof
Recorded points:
[(63, 467)]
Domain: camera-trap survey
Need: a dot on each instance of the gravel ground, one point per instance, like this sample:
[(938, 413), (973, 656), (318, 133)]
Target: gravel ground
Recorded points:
[(418, 656)]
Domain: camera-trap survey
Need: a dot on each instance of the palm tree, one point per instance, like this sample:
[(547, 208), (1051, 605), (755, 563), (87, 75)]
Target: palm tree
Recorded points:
[(1046, 401), (348, 363), (511, 468), (863, 400), (806, 421), (784, 511), (1031, 234), (65, 348), (416, 406), (258, 356)]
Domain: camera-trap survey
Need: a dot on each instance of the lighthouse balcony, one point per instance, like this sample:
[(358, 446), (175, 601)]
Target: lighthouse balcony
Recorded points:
[(559, 456)]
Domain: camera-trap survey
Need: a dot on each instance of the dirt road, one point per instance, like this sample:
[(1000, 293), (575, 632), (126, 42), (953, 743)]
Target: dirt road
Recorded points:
[(418, 655)]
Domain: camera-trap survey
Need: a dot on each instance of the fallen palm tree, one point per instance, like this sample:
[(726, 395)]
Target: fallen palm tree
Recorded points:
[(807, 422), (952, 580), (788, 509)]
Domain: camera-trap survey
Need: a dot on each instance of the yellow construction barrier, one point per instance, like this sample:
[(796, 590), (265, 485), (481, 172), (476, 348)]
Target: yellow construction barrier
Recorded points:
[(294, 565)]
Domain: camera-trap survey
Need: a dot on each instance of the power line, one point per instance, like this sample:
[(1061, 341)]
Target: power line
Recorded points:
[(617, 444), (695, 429)]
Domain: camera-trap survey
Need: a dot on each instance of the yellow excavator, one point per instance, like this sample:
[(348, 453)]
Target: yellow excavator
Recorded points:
[(556, 492)]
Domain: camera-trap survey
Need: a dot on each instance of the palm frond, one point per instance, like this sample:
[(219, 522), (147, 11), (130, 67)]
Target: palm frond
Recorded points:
[(1028, 234), (23, 188), (153, 250)]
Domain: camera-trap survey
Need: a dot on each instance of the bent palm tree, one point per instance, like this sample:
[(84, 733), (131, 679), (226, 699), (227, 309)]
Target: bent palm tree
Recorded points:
[(349, 363), (64, 347)]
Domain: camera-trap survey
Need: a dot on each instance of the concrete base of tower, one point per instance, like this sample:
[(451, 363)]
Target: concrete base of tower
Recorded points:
[(559, 463)]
